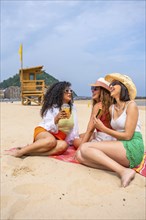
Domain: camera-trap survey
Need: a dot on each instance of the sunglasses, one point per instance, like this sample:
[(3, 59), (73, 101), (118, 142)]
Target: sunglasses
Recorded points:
[(68, 91), (95, 88), (115, 83)]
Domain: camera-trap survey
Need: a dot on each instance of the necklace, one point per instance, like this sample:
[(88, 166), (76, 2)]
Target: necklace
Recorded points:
[(120, 108)]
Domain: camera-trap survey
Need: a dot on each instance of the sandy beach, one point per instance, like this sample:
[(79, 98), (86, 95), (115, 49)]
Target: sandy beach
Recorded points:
[(43, 188)]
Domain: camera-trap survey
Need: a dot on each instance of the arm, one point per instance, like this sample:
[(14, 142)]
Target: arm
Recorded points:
[(130, 124), (51, 119), (75, 131), (91, 127)]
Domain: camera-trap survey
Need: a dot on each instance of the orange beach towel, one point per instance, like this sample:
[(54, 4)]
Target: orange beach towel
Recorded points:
[(141, 168)]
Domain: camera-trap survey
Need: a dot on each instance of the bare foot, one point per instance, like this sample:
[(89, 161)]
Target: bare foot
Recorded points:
[(127, 176), (14, 152)]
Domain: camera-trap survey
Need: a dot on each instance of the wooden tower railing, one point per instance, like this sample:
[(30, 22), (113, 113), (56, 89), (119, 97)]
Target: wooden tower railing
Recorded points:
[(32, 90)]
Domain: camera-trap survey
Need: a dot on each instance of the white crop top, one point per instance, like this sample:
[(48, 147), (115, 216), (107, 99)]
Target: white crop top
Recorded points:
[(118, 124)]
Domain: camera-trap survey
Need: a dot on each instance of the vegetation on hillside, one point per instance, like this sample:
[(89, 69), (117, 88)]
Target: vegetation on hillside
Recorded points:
[(11, 81), (47, 78), (15, 80)]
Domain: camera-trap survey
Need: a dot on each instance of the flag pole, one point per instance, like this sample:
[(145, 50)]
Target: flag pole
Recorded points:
[(21, 59), (21, 70)]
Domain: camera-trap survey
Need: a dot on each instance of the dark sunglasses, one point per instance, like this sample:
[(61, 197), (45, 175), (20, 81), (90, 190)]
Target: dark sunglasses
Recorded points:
[(95, 88), (68, 91), (115, 83)]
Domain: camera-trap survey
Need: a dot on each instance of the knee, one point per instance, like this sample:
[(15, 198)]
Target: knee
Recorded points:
[(50, 142), (84, 149), (76, 142), (81, 153), (62, 147), (78, 156)]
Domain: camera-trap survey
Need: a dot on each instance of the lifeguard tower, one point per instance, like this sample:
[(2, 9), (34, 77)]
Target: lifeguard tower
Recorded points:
[(32, 90)]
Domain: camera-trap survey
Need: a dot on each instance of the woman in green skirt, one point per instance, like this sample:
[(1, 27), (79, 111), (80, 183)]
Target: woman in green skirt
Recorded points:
[(127, 151)]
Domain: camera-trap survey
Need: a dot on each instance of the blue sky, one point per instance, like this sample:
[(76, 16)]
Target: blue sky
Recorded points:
[(76, 41)]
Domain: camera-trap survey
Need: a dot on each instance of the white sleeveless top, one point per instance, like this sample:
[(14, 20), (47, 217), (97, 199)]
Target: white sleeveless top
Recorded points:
[(118, 124)]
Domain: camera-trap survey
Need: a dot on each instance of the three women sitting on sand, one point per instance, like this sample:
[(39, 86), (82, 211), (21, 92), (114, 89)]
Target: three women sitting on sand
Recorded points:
[(122, 144)]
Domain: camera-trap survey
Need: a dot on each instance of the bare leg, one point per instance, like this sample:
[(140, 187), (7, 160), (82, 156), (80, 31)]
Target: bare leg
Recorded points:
[(60, 148), (88, 163), (44, 142), (109, 155), (77, 141)]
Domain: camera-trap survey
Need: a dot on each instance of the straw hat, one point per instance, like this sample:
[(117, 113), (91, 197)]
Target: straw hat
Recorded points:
[(126, 80), (102, 83)]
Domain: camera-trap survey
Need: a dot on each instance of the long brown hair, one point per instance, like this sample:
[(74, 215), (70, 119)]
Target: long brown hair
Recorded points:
[(106, 100)]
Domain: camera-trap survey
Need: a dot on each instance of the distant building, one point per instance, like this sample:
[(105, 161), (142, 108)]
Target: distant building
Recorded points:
[(12, 92), (1, 94)]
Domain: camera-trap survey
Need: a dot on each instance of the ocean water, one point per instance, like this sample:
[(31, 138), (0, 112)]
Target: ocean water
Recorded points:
[(140, 102)]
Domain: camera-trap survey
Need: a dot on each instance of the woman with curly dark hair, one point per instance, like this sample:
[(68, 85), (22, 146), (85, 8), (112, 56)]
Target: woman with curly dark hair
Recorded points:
[(58, 127)]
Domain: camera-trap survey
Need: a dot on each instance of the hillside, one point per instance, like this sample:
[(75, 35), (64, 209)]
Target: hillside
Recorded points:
[(15, 80)]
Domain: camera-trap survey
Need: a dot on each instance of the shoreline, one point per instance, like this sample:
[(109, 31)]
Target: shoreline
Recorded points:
[(140, 102)]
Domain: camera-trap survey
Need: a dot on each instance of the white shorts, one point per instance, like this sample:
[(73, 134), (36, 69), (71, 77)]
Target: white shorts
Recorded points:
[(101, 136)]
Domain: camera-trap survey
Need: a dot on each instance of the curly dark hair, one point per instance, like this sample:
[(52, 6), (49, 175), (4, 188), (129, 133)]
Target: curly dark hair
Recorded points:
[(54, 97)]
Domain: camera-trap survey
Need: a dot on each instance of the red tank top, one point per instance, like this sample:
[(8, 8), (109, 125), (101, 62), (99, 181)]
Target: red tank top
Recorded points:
[(105, 118)]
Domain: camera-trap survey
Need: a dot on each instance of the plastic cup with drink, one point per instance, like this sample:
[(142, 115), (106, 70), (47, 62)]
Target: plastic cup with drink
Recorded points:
[(65, 107)]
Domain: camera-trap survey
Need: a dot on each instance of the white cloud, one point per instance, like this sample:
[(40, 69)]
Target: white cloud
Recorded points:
[(73, 37)]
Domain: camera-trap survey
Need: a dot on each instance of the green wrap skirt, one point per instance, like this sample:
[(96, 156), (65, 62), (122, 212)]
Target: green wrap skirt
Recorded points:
[(134, 149)]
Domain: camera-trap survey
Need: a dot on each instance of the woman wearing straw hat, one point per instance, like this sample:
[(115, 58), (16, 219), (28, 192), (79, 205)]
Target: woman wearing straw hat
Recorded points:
[(128, 150), (101, 101)]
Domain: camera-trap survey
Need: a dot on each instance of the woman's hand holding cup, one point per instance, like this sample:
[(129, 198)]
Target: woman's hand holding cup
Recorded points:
[(65, 109)]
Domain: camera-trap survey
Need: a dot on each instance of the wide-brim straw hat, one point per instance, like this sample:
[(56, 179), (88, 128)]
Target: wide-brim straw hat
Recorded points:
[(102, 83), (126, 80)]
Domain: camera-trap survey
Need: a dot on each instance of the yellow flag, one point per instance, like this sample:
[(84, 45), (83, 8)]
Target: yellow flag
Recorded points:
[(20, 52)]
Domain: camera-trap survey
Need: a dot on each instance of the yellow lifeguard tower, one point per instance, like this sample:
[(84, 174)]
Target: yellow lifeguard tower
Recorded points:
[(32, 90)]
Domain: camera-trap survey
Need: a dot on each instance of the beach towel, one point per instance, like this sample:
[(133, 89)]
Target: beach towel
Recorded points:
[(141, 168), (68, 156)]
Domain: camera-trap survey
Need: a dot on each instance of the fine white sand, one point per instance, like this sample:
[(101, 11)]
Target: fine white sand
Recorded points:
[(35, 188)]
